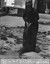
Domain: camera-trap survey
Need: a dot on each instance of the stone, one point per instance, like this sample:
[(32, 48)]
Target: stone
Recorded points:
[(48, 36), (11, 40), (1, 43), (31, 55), (6, 46), (16, 47)]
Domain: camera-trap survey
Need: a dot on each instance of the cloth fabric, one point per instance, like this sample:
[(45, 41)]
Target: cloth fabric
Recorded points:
[(30, 32)]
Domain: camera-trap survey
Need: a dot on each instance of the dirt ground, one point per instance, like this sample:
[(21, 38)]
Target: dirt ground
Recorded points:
[(11, 36)]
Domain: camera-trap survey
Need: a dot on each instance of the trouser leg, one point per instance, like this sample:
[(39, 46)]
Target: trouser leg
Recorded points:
[(26, 40), (33, 34)]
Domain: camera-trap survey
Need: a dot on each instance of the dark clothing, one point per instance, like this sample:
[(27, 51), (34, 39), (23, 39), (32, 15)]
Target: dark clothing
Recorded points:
[(31, 15), (29, 38), (29, 35)]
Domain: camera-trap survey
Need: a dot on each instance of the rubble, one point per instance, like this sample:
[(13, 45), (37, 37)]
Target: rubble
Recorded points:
[(11, 39)]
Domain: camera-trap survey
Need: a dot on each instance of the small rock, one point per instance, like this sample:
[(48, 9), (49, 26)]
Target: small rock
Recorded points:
[(37, 49), (16, 47), (31, 55), (6, 46), (11, 40), (1, 43), (48, 36)]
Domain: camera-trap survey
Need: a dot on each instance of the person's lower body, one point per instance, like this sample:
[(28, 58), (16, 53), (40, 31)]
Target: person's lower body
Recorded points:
[(29, 39)]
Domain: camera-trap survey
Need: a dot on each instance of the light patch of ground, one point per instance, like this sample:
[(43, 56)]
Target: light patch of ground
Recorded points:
[(11, 21), (31, 55)]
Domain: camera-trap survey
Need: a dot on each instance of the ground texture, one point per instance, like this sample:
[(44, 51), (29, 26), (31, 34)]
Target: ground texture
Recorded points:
[(11, 37)]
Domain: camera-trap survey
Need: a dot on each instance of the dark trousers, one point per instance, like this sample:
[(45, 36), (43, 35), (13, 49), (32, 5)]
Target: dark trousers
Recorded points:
[(29, 37)]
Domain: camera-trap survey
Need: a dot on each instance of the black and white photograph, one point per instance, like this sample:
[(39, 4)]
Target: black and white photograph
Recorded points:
[(24, 29)]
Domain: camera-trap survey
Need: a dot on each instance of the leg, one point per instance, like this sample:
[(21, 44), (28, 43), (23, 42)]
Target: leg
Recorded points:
[(26, 40), (33, 32)]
